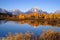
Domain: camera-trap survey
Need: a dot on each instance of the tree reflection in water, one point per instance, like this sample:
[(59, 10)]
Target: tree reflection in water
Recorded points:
[(38, 22), (47, 35), (35, 23)]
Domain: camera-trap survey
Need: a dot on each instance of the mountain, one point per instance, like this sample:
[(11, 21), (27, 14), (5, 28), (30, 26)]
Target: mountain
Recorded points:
[(57, 12), (13, 12), (3, 10), (16, 12), (32, 10)]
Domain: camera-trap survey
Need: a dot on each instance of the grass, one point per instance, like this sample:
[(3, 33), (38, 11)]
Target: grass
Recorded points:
[(47, 35)]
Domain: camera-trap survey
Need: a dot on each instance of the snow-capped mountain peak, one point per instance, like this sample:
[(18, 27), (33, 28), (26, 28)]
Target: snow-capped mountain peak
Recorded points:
[(35, 9), (16, 12)]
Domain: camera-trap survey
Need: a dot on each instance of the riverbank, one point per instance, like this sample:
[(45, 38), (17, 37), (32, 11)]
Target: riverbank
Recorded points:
[(47, 35)]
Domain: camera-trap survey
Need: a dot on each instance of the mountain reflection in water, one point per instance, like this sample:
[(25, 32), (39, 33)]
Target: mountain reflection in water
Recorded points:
[(23, 26), (34, 23)]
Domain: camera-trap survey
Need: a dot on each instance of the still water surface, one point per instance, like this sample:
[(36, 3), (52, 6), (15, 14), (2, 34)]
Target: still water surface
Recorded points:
[(18, 27)]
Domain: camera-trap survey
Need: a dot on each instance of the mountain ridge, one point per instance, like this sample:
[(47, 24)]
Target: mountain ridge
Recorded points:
[(32, 10)]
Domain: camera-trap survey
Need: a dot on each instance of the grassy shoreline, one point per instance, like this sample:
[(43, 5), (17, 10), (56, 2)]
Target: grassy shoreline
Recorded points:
[(47, 35)]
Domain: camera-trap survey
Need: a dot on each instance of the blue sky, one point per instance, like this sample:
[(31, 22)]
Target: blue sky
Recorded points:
[(25, 5)]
